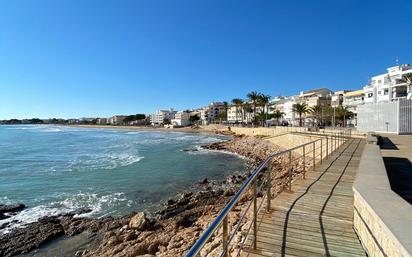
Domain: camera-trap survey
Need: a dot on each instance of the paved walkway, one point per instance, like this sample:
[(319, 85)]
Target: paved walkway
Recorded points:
[(316, 218), (397, 156)]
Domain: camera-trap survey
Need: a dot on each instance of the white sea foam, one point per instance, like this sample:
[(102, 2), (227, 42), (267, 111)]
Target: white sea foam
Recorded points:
[(72, 203)]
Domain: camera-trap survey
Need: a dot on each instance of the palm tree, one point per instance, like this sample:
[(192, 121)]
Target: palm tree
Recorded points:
[(263, 102), (238, 103), (300, 109), (278, 115), (408, 79), (247, 108), (253, 97), (225, 107), (316, 111), (343, 112)]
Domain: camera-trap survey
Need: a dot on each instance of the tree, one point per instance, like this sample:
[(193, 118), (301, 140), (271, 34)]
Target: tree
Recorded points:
[(166, 121), (194, 118), (300, 109), (316, 112), (263, 101), (237, 102), (247, 108), (253, 97), (408, 79), (278, 115), (225, 107), (343, 113)]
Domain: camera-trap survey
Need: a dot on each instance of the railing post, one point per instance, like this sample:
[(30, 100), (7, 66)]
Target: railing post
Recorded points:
[(269, 185), (224, 239), (304, 162), (321, 150), (313, 155), (327, 147), (290, 171), (255, 213)]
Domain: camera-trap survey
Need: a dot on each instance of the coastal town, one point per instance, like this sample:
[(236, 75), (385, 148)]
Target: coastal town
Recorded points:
[(366, 108)]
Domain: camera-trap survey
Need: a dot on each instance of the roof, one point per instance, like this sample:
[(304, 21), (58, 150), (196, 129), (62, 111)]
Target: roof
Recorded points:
[(315, 91), (354, 93)]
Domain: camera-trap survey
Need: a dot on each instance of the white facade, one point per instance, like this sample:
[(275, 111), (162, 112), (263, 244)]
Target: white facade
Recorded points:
[(285, 105), (116, 120), (161, 116), (389, 86), (392, 117), (181, 119), (209, 113), (235, 114)]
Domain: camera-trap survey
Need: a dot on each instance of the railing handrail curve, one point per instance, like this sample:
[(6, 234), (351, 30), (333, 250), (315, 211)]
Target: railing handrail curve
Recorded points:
[(206, 235)]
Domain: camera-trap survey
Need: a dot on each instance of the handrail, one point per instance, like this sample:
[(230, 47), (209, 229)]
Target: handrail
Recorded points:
[(222, 216)]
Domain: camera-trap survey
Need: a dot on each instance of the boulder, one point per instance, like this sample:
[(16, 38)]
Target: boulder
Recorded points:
[(12, 207), (139, 221)]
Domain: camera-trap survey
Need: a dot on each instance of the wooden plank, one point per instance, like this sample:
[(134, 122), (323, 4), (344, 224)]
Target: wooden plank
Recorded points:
[(316, 217)]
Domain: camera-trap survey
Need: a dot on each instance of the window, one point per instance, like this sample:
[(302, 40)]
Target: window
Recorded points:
[(385, 91), (370, 94), (379, 92)]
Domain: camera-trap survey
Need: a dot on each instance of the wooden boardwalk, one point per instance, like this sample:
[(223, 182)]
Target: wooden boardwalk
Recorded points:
[(316, 218)]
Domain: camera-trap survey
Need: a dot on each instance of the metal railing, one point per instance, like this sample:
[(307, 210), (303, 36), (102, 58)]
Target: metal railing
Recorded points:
[(298, 160)]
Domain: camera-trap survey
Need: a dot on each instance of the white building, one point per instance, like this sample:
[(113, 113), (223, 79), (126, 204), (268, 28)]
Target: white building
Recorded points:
[(116, 120), (101, 121), (285, 105), (209, 113), (389, 86), (181, 119), (235, 114), (162, 116)]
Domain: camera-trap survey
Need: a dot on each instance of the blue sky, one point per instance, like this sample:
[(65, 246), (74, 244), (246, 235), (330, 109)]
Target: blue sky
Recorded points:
[(76, 58)]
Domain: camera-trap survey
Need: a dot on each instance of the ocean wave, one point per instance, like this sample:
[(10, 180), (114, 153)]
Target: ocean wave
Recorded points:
[(96, 203), (104, 161), (200, 150)]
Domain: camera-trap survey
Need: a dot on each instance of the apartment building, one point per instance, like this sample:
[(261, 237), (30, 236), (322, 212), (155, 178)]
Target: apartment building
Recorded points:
[(209, 113), (162, 116), (390, 86), (181, 119), (116, 120), (235, 114)]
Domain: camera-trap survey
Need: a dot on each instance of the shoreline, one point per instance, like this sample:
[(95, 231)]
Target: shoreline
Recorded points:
[(201, 130), (181, 219)]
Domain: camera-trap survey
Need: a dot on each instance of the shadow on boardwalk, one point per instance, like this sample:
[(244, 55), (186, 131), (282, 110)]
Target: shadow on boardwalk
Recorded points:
[(316, 218)]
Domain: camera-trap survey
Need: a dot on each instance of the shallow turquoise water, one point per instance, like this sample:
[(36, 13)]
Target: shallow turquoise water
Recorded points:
[(55, 169)]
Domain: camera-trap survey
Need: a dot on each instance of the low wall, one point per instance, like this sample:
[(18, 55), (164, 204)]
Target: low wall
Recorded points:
[(382, 219)]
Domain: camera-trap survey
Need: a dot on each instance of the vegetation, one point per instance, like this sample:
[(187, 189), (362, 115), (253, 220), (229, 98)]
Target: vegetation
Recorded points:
[(253, 97), (278, 115), (300, 109), (194, 118), (134, 117), (316, 112), (342, 114)]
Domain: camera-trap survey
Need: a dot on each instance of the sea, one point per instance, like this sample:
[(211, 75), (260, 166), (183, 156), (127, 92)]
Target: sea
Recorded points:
[(61, 169)]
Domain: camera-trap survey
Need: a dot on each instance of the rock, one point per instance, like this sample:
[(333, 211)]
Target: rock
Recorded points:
[(139, 221), (204, 181), (11, 208), (229, 192), (31, 237)]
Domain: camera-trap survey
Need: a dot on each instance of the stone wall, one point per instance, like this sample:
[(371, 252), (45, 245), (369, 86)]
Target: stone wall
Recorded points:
[(382, 219)]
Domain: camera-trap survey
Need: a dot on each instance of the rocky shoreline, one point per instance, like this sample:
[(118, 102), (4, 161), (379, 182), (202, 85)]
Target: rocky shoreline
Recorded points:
[(171, 231)]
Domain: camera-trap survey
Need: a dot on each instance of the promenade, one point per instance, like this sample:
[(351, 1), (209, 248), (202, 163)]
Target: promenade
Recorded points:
[(397, 155), (316, 217)]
